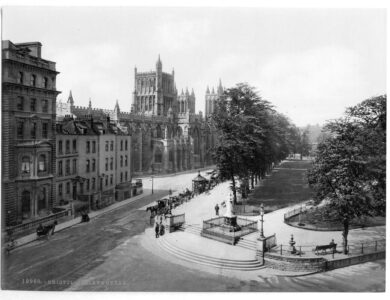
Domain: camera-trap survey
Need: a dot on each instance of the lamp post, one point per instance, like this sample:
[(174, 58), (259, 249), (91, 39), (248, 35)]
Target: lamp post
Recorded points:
[(261, 221), (152, 183)]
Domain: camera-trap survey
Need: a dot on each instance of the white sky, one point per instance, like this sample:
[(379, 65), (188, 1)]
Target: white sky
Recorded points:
[(310, 63)]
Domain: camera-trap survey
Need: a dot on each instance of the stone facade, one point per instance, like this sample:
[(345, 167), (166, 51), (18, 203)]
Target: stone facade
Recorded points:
[(28, 132), (93, 162), (166, 133)]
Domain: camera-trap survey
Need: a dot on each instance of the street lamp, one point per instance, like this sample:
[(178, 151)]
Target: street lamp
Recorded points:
[(261, 221), (152, 183)]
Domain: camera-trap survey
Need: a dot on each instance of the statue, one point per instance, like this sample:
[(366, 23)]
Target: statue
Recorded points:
[(229, 208)]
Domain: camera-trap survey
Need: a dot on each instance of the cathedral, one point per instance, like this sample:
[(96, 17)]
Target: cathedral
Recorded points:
[(167, 135)]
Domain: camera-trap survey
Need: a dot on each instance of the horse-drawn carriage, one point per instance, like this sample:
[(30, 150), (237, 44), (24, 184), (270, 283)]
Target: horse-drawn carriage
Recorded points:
[(45, 231)]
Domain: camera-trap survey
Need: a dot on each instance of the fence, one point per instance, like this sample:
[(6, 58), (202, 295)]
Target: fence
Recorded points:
[(270, 242), (35, 223), (248, 210), (294, 212), (178, 220), (216, 227), (353, 249)]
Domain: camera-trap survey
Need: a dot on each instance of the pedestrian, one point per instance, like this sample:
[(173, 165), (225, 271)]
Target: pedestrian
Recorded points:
[(217, 209), (157, 230)]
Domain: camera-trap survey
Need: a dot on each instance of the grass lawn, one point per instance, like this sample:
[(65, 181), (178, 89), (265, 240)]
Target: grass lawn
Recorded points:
[(317, 218), (286, 186)]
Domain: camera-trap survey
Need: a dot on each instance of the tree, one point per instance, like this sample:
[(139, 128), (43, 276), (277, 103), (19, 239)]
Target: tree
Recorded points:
[(251, 136), (350, 167)]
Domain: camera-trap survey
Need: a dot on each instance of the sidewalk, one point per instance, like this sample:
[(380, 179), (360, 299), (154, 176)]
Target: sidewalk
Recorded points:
[(206, 168), (33, 236)]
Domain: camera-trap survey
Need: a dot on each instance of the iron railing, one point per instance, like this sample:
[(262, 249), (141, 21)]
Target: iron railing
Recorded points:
[(34, 223)]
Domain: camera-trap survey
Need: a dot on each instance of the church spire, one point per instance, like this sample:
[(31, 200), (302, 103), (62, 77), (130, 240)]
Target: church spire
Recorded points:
[(159, 64), (192, 92), (207, 90), (117, 106), (187, 93), (220, 88), (70, 98)]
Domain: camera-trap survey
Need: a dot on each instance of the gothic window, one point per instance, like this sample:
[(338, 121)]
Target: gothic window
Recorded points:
[(126, 145), (125, 160), (25, 165), (20, 103), (106, 164), (33, 80), (158, 156), (68, 187), (112, 146), (87, 184), (20, 78), (19, 129), (93, 147), (111, 179), (93, 165), (121, 145), (159, 132), (26, 199), (42, 163), (112, 163), (87, 166), (126, 176), (45, 82), (45, 130), (33, 130), (121, 164), (106, 180), (107, 145), (74, 146), (121, 177), (88, 147), (150, 103), (93, 183)]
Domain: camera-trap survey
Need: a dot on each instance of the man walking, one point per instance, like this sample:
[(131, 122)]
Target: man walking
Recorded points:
[(217, 209), (157, 230)]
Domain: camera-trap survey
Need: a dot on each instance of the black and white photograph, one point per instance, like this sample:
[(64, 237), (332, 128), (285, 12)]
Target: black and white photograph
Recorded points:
[(193, 149)]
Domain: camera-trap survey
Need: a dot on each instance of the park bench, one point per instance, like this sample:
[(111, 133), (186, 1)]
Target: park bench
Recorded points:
[(323, 248)]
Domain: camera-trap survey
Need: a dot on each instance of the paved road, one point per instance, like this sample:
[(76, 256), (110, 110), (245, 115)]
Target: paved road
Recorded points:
[(105, 255), (73, 252)]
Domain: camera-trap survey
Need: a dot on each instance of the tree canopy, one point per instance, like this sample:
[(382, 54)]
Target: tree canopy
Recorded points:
[(350, 167), (251, 135)]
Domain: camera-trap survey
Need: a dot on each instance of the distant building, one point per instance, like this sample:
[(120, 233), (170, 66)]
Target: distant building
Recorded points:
[(28, 132), (93, 162), (166, 133)]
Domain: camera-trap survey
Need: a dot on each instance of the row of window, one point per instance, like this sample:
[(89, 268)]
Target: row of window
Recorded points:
[(21, 103), (110, 145), (45, 83), (27, 164), (121, 162), (88, 166), (90, 184), (68, 170), (33, 130), (67, 146), (88, 148)]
